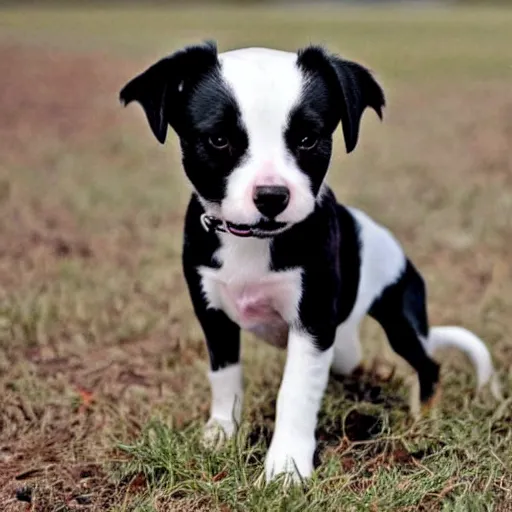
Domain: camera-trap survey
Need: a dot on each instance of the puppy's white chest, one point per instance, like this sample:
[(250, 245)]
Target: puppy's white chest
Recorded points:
[(253, 296)]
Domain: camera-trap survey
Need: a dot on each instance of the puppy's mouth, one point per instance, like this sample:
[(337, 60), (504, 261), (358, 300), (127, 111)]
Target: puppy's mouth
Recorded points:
[(262, 229)]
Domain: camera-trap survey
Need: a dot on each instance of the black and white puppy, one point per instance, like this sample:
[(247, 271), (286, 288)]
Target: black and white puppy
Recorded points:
[(267, 248)]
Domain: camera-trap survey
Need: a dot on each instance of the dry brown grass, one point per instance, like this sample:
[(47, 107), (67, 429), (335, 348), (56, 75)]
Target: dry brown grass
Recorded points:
[(96, 330)]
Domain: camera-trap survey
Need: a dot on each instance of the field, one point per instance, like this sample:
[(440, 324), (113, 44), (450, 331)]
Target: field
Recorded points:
[(102, 364)]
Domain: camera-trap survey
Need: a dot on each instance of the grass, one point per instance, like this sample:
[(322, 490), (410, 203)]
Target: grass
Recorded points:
[(102, 363)]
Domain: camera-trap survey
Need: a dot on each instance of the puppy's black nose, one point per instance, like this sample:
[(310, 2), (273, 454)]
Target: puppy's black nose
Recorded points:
[(271, 200)]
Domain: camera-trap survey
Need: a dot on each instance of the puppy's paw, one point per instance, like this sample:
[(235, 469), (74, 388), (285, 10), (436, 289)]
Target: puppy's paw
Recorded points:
[(422, 409), (217, 432), (290, 457)]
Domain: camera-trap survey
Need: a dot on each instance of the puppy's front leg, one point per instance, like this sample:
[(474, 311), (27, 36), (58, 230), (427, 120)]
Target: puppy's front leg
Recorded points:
[(226, 405), (225, 375), (304, 381), (223, 341)]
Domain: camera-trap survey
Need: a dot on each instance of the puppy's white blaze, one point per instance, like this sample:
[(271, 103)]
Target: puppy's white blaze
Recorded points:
[(266, 84), (304, 381), (227, 396), (472, 346)]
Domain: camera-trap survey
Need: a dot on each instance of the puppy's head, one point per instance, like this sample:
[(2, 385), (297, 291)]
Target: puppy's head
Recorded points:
[(255, 126)]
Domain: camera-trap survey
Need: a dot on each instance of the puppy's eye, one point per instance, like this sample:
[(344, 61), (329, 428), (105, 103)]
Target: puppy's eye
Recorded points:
[(308, 142), (218, 141)]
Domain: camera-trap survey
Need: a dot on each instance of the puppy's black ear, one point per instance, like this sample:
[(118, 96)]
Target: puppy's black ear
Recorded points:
[(354, 85), (162, 89), (360, 90)]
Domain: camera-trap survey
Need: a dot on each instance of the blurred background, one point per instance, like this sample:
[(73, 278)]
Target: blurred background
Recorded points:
[(94, 314)]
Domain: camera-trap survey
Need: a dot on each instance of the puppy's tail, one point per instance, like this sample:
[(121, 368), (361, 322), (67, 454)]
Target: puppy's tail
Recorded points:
[(473, 347)]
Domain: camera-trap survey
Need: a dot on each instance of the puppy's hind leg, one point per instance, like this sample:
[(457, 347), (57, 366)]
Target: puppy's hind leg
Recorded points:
[(401, 311)]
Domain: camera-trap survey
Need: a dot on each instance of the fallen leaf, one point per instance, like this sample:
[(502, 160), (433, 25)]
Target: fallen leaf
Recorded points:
[(220, 476), (138, 483), (86, 399)]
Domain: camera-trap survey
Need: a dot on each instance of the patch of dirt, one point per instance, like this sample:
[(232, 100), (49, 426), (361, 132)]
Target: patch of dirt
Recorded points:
[(367, 458), (55, 452), (377, 385), (33, 237), (47, 94), (361, 427), (37, 237), (63, 487)]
